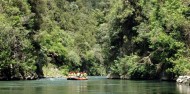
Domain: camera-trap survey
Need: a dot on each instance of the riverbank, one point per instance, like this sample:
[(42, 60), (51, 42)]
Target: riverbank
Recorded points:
[(19, 76), (47, 71), (181, 79), (51, 71)]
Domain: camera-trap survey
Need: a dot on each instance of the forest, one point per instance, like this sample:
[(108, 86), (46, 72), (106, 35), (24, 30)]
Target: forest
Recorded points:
[(138, 39)]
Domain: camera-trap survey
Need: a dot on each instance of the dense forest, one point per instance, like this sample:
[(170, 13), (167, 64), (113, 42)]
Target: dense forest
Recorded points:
[(137, 39)]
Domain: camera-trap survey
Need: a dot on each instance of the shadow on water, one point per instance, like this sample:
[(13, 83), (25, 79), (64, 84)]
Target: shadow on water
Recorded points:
[(95, 85)]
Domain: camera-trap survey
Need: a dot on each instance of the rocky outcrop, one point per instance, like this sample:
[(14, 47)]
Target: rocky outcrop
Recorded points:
[(17, 73), (125, 76), (117, 76), (18, 76), (183, 80), (113, 76)]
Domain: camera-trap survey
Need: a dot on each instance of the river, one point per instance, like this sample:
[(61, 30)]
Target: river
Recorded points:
[(95, 85)]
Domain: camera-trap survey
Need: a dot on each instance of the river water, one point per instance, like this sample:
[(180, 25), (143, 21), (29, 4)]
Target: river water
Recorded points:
[(95, 85)]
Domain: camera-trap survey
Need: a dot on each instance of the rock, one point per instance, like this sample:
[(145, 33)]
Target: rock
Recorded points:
[(183, 80), (125, 76), (113, 76), (17, 76)]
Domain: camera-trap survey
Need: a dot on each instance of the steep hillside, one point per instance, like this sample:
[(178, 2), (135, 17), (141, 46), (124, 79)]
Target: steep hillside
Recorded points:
[(138, 39)]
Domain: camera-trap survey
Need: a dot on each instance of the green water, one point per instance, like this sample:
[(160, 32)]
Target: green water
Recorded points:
[(95, 85)]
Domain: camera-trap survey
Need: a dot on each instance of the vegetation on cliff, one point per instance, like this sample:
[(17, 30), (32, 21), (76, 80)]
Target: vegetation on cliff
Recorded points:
[(155, 31), (143, 39)]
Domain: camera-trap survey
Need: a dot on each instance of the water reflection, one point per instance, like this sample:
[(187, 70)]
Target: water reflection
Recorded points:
[(76, 87), (183, 89), (94, 85)]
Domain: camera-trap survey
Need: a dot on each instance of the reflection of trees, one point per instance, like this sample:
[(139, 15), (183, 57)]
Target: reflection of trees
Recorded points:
[(183, 89), (96, 86)]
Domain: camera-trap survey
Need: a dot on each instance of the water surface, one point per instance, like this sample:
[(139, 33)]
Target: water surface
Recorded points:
[(95, 85)]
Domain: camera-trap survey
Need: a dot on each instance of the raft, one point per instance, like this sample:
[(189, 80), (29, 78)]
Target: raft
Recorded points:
[(77, 78)]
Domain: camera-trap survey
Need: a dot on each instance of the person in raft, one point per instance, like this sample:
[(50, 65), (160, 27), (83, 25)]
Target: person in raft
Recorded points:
[(77, 74), (71, 74)]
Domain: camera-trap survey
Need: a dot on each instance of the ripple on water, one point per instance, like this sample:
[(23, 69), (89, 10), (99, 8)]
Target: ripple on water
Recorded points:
[(95, 85)]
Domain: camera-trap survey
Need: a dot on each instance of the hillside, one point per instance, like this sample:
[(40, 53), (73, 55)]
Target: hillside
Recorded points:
[(140, 39)]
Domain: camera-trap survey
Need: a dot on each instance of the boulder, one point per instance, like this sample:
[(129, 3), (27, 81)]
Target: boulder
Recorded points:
[(183, 80), (125, 76), (113, 76)]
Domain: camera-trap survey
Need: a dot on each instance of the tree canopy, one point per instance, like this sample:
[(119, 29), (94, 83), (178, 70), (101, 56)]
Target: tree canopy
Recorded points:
[(143, 39)]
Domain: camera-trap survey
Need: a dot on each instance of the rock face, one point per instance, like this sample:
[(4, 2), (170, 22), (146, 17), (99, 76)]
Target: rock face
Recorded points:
[(183, 80), (19, 76), (113, 76), (117, 76)]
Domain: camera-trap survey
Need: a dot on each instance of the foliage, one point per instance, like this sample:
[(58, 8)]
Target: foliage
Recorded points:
[(130, 66), (139, 38), (16, 55), (154, 29)]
